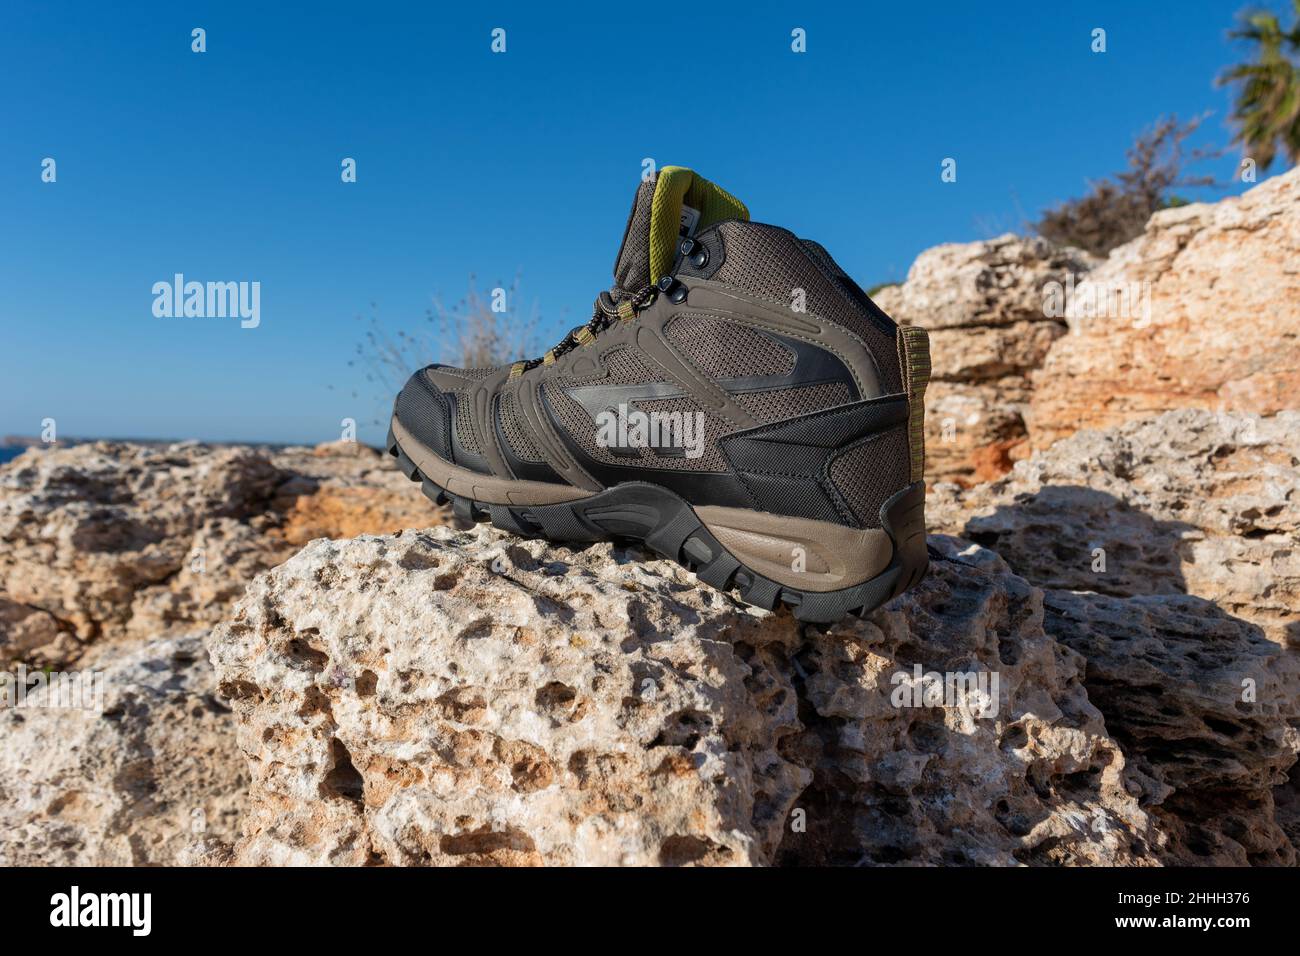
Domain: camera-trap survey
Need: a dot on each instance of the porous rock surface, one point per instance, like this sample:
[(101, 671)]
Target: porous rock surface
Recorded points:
[(132, 784), (109, 541), (1188, 502), (114, 558), (1185, 528), (441, 697)]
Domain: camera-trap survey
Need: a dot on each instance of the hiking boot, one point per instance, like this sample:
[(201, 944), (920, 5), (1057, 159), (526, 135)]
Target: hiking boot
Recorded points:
[(736, 402)]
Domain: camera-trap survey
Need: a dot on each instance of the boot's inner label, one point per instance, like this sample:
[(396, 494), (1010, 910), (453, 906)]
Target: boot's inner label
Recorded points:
[(690, 219)]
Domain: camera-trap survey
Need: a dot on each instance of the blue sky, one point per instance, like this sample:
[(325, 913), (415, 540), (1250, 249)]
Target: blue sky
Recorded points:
[(225, 166)]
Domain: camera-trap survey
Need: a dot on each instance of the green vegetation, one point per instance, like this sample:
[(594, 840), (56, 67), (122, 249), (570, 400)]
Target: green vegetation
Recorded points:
[(1116, 209), (1267, 109)]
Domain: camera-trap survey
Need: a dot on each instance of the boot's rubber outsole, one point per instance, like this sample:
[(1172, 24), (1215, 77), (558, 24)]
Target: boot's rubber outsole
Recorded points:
[(669, 526)]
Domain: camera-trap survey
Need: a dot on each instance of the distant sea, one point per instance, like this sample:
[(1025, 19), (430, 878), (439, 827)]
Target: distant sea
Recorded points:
[(8, 453)]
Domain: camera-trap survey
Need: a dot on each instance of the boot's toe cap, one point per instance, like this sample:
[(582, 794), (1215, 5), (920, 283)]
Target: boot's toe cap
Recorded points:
[(425, 413)]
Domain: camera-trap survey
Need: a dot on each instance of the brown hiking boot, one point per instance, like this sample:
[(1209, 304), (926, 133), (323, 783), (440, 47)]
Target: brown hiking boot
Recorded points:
[(736, 402)]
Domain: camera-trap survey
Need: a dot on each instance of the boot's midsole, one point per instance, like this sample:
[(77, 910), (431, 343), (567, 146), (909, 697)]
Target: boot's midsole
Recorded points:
[(487, 489), (800, 552)]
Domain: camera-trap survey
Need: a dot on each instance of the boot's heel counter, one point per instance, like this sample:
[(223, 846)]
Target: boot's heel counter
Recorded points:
[(914, 362), (868, 472)]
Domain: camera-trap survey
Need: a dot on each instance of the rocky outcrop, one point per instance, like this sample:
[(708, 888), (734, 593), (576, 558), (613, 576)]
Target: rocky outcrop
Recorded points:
[(1201, 310), (1206, 709), (118, 541), (115, 557), (984, 304), (1189, 502), (1187, 529), (1031, 342), (132, 777), (451, 697)]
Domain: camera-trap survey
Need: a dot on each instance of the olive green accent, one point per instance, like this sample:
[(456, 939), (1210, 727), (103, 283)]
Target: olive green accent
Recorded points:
[(518, 369), (584, 336), (799, 552), (625, 310), (677, 186), (549, 357), (486, 489), (914, 357)]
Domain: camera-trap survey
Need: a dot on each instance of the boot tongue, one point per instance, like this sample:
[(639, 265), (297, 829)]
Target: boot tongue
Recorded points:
[(675, 202)]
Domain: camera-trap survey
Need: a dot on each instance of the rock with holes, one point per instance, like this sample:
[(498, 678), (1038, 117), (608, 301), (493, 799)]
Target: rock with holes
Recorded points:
[(130, 760), (1188, 502), (1206, 708), (86, 529), (451, 698), (1187, 527), (110, 555), (113, 540)]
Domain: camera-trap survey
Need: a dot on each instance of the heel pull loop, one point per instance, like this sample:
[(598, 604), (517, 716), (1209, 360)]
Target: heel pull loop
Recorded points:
[(914, 358)]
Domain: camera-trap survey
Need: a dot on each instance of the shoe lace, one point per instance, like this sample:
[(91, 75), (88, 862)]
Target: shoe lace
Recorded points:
[(605, 313)]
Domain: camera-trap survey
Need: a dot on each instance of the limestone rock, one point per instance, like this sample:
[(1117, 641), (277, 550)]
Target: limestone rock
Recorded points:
[(996, 282), (111, 555), (446, 697), (28, 633), (1187, 528), (1191, 501), (132, 784), (113, 540), (346, 449), (1211, 318), (984, 304), (974, 431), (86, 528), (1204, 705)]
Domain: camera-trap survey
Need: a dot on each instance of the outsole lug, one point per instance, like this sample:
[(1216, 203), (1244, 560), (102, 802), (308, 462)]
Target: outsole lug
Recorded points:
[(507, 520), (407, 467), (433, 492), (762, 593), (719, 571)]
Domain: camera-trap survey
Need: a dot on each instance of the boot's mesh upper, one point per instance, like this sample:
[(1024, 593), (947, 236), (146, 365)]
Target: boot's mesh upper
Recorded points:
[(466, 428), (423, 411), (632, 268), (626, 367), (869, 473), (517, 433), (770, 263), (760, 262), (466, 431), (722, 349), (471, 374), (714, 428), (583, 429), (781, 403)]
